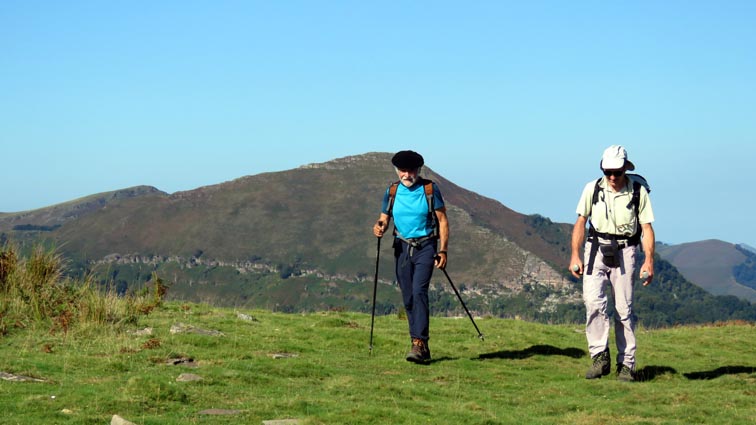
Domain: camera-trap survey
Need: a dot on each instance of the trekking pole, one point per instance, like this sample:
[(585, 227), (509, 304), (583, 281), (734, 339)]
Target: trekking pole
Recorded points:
[(375, 289), (480, 335)]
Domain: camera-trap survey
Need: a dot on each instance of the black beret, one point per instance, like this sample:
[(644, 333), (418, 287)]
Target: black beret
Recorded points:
[(407, 160)]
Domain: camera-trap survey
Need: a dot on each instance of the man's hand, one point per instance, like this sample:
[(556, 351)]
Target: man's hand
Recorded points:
[(647, 274), (440, 260), (576, 268), (379, 229)]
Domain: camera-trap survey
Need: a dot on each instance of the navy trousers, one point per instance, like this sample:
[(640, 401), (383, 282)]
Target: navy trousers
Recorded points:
[(414, 268)]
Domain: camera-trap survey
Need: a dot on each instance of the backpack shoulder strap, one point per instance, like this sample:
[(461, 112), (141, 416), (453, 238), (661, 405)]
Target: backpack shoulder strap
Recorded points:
[(428, 186), (596, 190), (637, 181), (392, 196), (635, 201)]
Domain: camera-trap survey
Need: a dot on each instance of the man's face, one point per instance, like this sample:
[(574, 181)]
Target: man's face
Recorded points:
[(615, 175), (408, 177)]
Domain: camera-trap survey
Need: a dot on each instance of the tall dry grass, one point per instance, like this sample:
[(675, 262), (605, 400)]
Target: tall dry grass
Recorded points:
[(35, 291)]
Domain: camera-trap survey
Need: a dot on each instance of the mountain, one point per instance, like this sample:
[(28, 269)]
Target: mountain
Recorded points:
[(50, 218), (721, 268), (319, 214), (302, 239)]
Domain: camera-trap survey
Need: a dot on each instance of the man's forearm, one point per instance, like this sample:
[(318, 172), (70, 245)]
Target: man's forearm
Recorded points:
[(649, 242), (578, 237)]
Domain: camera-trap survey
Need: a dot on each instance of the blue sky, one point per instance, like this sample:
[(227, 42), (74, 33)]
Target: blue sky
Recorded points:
[(513, 100)]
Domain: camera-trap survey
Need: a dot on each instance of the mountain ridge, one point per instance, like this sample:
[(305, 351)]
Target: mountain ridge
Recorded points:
[(301, 239), (61, 212), (709, 264), (250, 208)]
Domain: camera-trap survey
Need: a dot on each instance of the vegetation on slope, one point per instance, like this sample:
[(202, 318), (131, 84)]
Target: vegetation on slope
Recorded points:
[(745, 273), (36, 292)]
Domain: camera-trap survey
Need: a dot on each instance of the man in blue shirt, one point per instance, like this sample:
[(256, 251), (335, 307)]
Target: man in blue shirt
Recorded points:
[(420, 242)]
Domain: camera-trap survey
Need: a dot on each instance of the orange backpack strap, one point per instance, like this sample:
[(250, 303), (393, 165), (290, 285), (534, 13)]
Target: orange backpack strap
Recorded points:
[(392, 196), (428, 184), (428, 188)]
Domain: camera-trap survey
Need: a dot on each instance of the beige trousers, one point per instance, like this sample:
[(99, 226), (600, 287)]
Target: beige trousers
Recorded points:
[(595, 298)]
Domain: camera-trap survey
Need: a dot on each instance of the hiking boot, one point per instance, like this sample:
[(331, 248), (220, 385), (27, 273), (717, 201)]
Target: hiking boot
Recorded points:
[(600, 367), (419, 353), (624, 373)]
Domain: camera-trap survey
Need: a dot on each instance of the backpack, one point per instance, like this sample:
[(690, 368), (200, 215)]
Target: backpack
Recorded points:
[(428, 186), (637, 181)]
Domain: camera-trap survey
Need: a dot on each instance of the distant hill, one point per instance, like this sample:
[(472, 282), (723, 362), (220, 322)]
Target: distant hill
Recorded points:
[(711, 264), (301, 239), (50, 218)]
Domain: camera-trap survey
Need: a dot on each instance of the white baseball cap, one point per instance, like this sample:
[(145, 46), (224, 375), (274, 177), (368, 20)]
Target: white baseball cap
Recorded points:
[(615, 157)]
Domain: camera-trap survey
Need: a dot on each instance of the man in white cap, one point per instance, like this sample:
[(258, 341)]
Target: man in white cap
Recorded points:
[(421, 237), (618, 212)]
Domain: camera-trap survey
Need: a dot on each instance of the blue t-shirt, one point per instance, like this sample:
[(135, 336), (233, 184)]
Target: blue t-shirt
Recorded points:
[(411, 209)]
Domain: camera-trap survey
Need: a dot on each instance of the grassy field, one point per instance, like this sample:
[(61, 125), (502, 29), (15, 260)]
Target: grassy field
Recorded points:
[(317, 368)]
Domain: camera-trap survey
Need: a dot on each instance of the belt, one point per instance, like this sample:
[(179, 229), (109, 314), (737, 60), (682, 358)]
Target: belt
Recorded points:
[(623, 241), (414, 243), (621, 244)]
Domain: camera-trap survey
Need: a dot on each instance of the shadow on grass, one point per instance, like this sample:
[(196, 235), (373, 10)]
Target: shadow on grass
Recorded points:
[(716, 373), (543, 350), (435, 360), (442, 359), (650, 373)]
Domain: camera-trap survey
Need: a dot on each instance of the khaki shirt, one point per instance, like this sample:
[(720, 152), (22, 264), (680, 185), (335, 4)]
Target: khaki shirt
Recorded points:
[(611, 214)]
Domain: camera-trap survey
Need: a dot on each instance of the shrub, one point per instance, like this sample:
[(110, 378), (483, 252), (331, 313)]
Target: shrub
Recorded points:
[(34, 290)]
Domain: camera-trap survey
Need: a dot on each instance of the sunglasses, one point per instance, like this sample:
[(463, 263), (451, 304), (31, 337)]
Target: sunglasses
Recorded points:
[(615, 173)]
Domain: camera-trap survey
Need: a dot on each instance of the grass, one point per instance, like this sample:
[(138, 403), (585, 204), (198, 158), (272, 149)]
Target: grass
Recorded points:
[(522, 373), (317, 368)]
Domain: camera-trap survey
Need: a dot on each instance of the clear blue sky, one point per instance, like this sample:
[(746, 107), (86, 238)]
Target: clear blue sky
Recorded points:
[(514, 100)]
